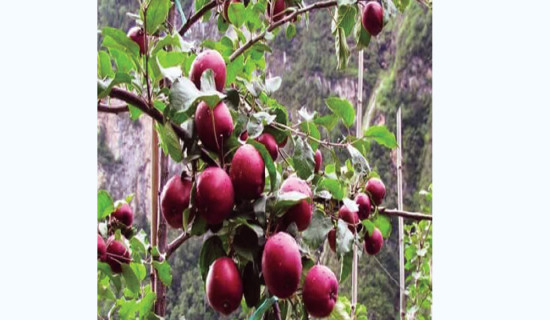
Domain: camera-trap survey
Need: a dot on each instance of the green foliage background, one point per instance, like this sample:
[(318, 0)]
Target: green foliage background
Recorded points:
[(397, 73)]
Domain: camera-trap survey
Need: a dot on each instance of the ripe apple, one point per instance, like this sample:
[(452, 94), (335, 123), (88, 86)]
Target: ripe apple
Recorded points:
[(226, 8), (375, 187), (363, 202), (138, 36), (247, 173), (374, 243), (174, 199), (318, 160), (101, 248), (215, 195), (351, 217), (244, 135), (208, 59), (320, 291), (124, 214), (281, 265), (213, 134), (279, 7), (224, 287), (300, 213), (270, 144), (117, 253), (373, 18), (332, 239)]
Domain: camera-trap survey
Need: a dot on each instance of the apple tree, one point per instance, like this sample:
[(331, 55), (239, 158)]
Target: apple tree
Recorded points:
[(266, 191)]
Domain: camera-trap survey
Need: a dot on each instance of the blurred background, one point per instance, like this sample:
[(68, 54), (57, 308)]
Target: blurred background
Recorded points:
[(398, 73)]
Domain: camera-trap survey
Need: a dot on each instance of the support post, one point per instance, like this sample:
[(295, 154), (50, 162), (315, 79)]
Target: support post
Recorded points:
[(402, 305), (358, 134)]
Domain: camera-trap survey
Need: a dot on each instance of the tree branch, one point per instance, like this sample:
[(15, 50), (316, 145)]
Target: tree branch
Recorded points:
[(277, 311), (252, 41), (194, 18), (405, 214), (172, 246), (102, 107)]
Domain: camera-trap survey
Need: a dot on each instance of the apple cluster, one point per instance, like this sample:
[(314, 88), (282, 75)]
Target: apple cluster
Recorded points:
[(375, 191), (116, 252)]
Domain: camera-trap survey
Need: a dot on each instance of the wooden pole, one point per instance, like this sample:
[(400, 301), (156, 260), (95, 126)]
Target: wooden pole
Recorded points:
[(400, 219), (358, 134)]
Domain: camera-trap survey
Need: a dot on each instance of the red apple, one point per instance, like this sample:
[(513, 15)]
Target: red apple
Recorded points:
[(318, 160), (117, 253), (124, 214), (332, 239), (138, 36), (214, 198), (226, 8), (375, 187), (244, 135), (320, 291), (247, 173), (224, 287), (213, 133), (101, 248), (374, 243), (208, 59), (363, 202), (351, 217), (270, 144), (281, 265), (300, 213), (175, 199), (279, 7), (373, 18)]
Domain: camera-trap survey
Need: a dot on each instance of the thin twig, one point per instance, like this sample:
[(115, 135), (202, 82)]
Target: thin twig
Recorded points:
[(276, 311), (302, 134), (102, 107), (405, 214), (174, 245), (272, 26), (194, 18)]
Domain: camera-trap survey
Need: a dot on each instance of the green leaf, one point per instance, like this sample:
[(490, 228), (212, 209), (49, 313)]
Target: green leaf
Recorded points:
[(368, 225), (328, 121), (336, 189), (199, 226), (116, 38), (104, 65), (383, 223), (122, 60), (169, 141), (130, 277), (359, 162), (251, 285), (344, 238), (184, 96), (105, 204), (311, 129), (104, 87), (170, 59), (233, 69), (272, 84), (381, 135), (147, 302), (287, 200), (342, 49), (343, 109), (211, 250), (256, 123), (362, 37), (345, 266), (303, 159), (339, 312), (139, 270), (317, 231), (258, 314), (236, 13), (290, 31), (346, 18), (268, 161), (259, 209), (157, 12), (164, 271)]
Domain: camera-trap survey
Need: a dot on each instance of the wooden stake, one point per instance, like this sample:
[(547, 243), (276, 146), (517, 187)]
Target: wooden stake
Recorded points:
[(402, 305), (358, 134)]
